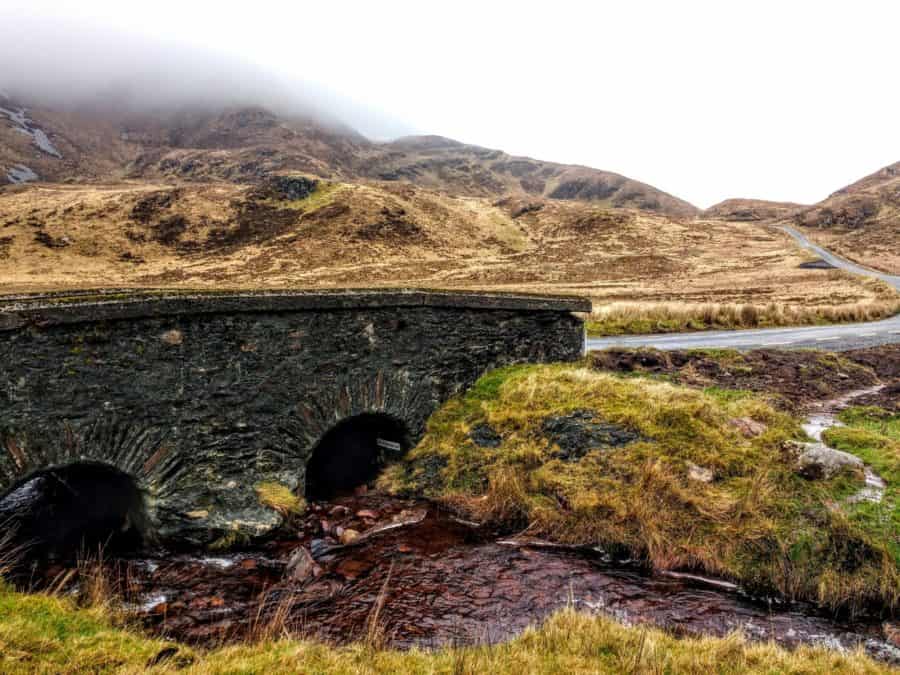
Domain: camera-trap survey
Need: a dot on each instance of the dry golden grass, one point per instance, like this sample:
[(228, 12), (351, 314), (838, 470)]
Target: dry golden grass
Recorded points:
[(43, 634), (394, 234), (635, 318)]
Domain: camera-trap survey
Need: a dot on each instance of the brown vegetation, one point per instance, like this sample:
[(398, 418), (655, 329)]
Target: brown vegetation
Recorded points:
[(861, 221)]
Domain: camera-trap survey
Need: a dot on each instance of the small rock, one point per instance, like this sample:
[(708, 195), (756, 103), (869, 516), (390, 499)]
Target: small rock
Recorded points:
[(367, 513), (338, 511), (404, 548), (349, 536), (892, 633), (325, 525), (248, 564), (748, 428), (817, 461), (301, 566), (197, 515), (172, 337), (700, 473)]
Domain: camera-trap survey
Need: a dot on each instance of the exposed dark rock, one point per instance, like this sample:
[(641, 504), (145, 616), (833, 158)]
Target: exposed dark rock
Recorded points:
[(148, 208), (290, 188), (817, 264), (49, 241), (578, 433), (484, 436)]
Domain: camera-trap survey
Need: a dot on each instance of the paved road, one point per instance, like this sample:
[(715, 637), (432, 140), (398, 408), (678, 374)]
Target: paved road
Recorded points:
[(839, 337), (837, 261)]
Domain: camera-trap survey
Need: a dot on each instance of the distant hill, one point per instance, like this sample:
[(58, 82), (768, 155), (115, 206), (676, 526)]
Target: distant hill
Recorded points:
[(247, 144), (751, 210)]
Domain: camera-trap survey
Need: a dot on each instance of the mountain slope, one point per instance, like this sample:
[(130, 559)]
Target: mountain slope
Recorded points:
[(751, 210), (443, 164), (247, 144), (860, 221)]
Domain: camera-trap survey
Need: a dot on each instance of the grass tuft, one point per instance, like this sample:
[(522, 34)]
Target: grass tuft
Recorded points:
[(280, 498)]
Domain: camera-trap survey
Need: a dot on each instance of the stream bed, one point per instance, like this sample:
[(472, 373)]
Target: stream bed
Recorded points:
[(426, 579)]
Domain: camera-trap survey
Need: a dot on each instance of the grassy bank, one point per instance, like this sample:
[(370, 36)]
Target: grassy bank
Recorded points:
[(694, 490), (43, 634), (643, 318), (873, 435)]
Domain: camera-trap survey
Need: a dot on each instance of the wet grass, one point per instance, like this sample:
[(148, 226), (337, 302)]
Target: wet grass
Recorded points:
[(45, 634), (756, 522), (873, 435)]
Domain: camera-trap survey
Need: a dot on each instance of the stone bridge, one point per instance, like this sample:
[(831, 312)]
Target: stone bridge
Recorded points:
[(169, 411)]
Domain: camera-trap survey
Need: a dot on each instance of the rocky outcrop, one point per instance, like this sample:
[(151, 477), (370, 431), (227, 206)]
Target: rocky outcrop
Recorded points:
[(581, 431)]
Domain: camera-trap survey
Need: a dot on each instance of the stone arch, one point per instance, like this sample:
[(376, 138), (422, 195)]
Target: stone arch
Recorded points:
[(62, 511), (353, 452), (110, 446), (390, 395)]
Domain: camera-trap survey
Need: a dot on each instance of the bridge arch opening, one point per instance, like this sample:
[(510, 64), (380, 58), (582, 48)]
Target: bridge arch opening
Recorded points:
[(59, 512), (352, 453)]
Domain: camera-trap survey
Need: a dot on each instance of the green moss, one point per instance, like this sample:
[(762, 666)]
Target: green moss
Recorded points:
[(873, 435)]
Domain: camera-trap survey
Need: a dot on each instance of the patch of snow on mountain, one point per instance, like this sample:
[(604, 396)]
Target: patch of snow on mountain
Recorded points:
[(20, 122), (41, 140), (20, 174)]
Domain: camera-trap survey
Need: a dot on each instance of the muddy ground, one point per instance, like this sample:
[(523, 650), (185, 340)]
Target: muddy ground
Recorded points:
[(794, 377)]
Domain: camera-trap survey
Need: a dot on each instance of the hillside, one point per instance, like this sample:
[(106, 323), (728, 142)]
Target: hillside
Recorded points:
[(297, 232), (751, 210), (244, 145), (860, 221)]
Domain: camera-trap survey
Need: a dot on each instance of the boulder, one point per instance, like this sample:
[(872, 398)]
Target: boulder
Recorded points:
[(817, 461), (484, 436)]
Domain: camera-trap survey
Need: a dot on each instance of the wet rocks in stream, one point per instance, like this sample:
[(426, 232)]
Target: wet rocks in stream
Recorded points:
[(579, 432), (816, 461)]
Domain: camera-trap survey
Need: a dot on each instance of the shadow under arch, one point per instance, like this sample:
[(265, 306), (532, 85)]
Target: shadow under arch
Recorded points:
[(56, 513), (352, 453)]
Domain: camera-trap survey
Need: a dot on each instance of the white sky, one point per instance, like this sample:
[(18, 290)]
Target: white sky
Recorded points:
[(784, 100)]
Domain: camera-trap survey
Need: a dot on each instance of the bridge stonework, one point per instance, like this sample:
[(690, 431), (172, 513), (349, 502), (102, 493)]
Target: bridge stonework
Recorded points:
[(200, 398)]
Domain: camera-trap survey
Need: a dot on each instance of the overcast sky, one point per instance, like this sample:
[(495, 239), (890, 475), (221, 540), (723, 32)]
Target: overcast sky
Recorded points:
[(784, 100)]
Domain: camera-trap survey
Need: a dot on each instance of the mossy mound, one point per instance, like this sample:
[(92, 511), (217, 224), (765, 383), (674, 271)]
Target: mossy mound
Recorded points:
[(707, 484)]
